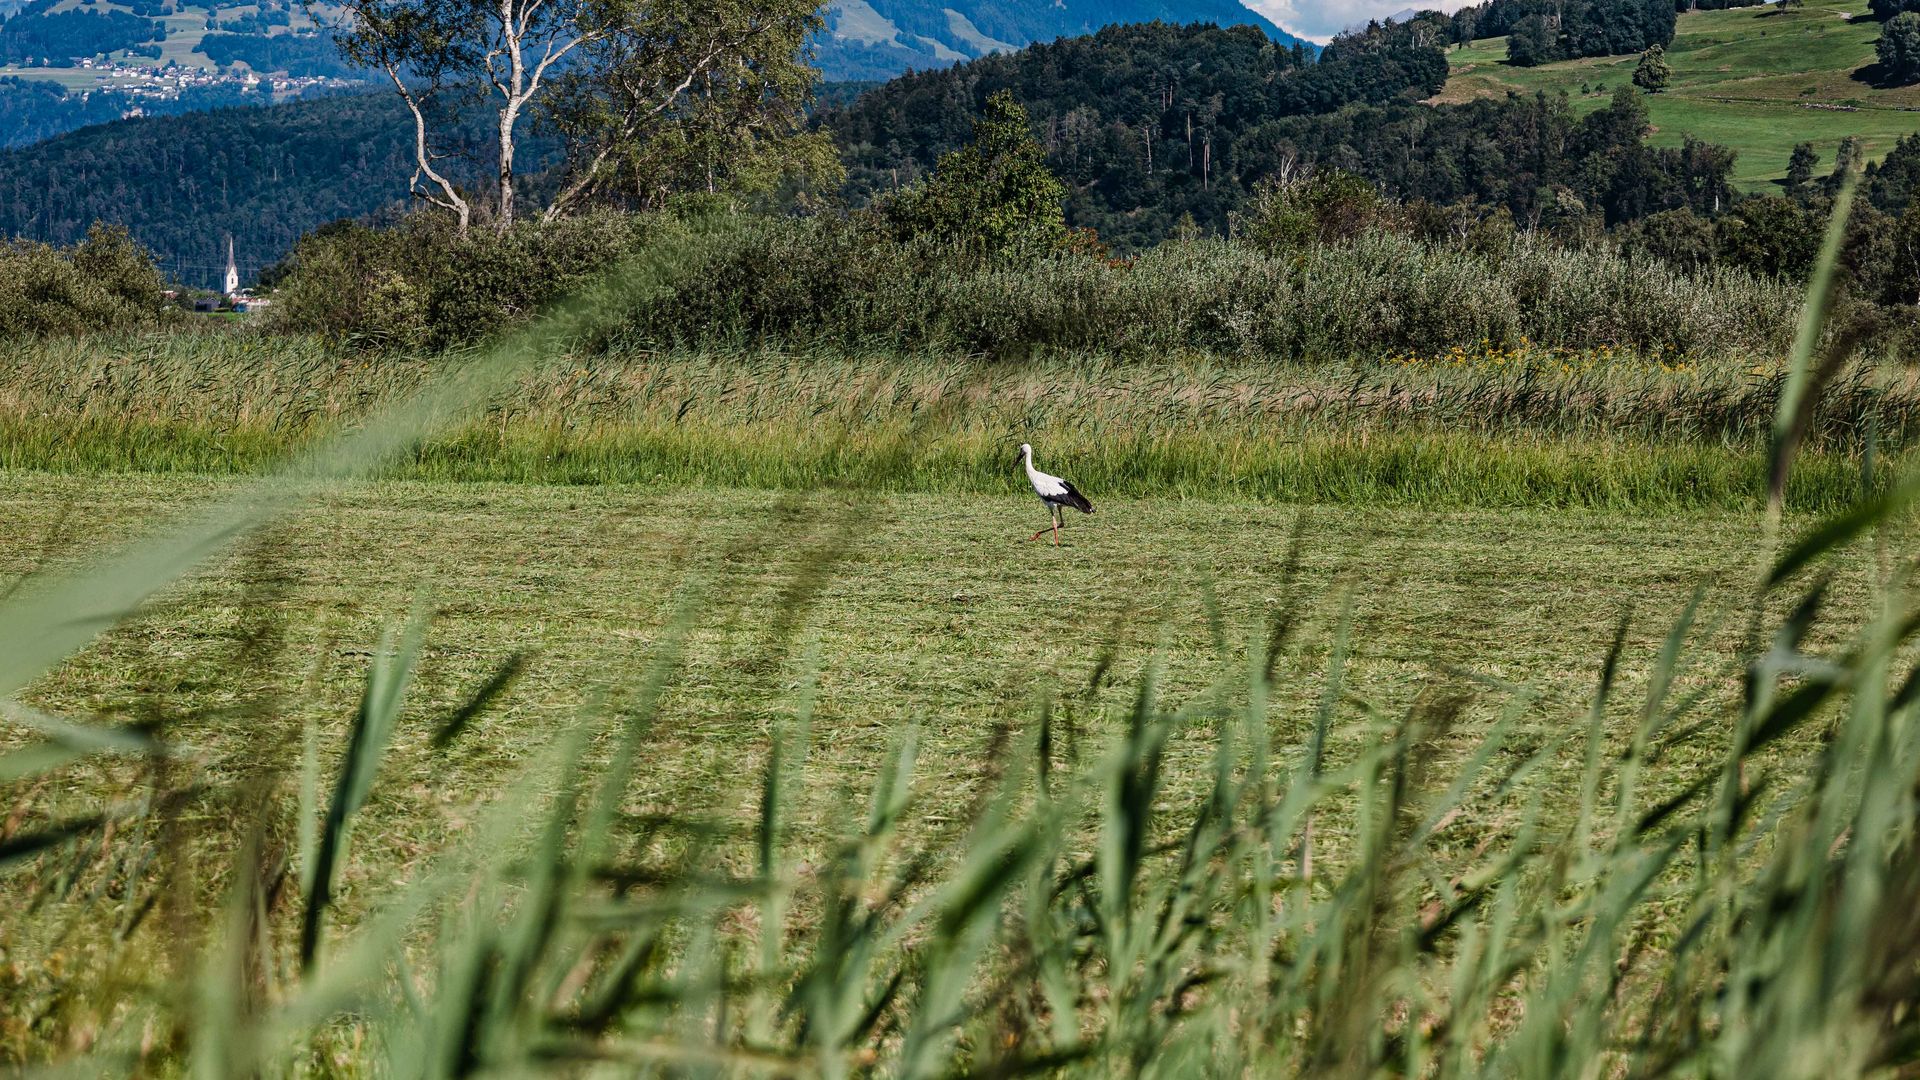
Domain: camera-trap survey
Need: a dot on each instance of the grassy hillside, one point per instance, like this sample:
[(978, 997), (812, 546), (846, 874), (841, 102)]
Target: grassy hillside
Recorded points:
[(186, 27), (1756, 79)]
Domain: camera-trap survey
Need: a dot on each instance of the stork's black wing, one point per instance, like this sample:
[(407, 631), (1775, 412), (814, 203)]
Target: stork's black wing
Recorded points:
[(1074, 499)]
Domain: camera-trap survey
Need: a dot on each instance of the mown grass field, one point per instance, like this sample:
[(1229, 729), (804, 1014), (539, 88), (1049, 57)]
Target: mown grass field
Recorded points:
[(896, 610), (1759, 80)]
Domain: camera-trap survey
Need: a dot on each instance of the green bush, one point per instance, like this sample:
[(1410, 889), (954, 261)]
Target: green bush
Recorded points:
[(1377, 294), (421, 285), (847, 282), (104, 282), (1321, 208)]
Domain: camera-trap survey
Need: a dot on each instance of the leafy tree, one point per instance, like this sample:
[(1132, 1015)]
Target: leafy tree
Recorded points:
[(1899, 48), (711, 100), (1893, 182), (1679, 237), (1800, 168), (1902, 285), (995, 195), (1654, 73), (1769, 235), (104, 282), (1885, 10), (1322, 207), (1532, 42), (612, 76)]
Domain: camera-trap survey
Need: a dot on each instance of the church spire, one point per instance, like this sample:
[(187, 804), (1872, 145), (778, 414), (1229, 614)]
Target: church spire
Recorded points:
[(233, 272)]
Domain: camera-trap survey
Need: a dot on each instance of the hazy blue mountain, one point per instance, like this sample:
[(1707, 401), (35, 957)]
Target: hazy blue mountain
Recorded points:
[(877, 39)]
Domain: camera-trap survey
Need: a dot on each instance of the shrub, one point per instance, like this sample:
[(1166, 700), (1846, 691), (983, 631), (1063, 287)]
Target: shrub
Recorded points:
[(421, 285), (104, 282), (1323, 207), (1361, 291)]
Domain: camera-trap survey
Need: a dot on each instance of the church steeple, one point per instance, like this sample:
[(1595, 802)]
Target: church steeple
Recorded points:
[(233, 272)]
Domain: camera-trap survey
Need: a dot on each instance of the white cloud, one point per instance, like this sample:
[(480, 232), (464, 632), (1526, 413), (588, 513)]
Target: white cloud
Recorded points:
[(1321, 19)]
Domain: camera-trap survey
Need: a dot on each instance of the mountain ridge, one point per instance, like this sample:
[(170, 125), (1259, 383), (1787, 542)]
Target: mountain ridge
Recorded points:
[(878, 39)]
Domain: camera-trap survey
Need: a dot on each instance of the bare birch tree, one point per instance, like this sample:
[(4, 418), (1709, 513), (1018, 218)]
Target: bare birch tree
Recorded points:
[(611, 77), (408, 40)]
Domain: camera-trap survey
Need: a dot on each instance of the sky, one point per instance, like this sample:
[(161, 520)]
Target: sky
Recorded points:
[(1321, 19)]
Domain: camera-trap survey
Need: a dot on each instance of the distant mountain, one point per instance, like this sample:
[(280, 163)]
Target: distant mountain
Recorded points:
[(878, 39)]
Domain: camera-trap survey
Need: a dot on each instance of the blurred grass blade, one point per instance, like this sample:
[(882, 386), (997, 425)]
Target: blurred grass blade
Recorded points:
[(1795, 405), (1839, 530), (373, 725), (478, 702)]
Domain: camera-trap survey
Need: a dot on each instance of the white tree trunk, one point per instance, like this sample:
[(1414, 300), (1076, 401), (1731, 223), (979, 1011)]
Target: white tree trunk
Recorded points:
[(443, 193), (514, 91)]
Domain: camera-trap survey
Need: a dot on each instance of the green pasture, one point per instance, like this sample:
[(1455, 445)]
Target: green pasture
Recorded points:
[(1747, 78)]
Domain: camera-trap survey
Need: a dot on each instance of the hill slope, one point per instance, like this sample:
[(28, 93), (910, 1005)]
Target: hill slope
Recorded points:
[(1758, 80), (183, 183), (1146, 123), (870, 39)]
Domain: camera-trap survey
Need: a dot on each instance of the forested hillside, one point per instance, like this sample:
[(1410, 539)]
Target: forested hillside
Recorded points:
[(183, 183), (1145, 123), (1148, 126)]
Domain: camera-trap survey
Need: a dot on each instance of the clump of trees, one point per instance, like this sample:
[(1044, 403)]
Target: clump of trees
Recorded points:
[(104, 282), (36, 35), (1530, 157), (1899, 48), (1543, 31)]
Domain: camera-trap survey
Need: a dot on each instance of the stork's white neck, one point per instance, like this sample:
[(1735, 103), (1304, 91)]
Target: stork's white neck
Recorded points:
[(1039, 479)]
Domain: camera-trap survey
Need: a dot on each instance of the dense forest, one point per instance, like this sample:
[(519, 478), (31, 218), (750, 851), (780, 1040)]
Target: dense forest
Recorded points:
[(879, 39), (1542, 31), (1139, 121), (34, 109), (34, 36), (1148, 125), (294, 54), (1527, 155)]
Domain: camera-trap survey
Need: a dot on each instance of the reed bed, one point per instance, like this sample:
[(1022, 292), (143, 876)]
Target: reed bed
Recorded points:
[(1485, 426)]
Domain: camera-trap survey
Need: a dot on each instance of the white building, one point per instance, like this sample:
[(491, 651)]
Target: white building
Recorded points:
[(232, 283)]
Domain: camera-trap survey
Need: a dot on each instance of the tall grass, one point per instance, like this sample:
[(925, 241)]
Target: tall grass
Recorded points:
[(1486, 426), (1319, 906)]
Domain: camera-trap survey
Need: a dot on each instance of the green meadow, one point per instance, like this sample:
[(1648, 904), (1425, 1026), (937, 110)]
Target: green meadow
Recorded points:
[(1759, 80)]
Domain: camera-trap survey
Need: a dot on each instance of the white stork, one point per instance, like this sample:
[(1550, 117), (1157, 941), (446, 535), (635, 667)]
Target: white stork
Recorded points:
[(1053, 491)]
